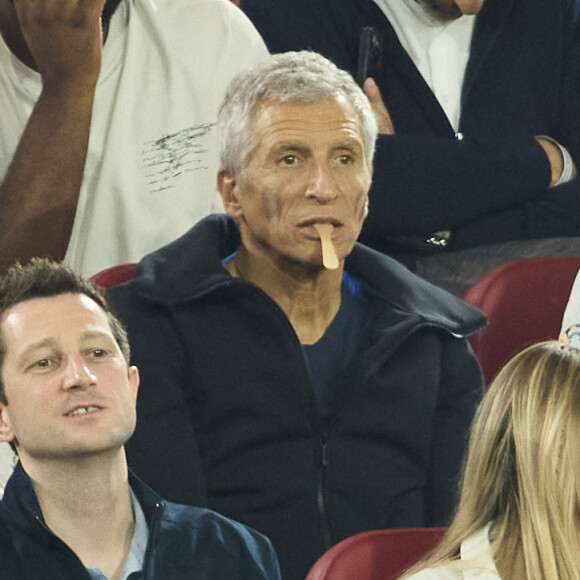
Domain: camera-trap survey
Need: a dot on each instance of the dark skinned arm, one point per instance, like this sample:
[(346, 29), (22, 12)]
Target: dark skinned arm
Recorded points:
[(62, 40)]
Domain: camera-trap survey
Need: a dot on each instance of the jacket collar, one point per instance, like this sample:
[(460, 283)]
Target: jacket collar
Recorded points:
[(191, 266), (19, 505), (20, 508), (489, 24)]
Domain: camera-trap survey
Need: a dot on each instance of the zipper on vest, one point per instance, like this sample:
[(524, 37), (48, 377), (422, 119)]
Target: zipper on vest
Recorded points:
[(320, 492)]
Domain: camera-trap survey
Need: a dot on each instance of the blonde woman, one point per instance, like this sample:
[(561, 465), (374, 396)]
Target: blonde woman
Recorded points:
[(518, 515)]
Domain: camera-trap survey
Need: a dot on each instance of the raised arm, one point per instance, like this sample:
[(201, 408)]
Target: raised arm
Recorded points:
[(63, 41)]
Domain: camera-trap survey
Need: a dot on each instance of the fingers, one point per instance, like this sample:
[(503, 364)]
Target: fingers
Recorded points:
[(384, 120), (51, 7), (64, 37)]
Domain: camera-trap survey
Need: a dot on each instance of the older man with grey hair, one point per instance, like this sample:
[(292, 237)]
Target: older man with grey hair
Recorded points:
[(67, 406), (480, 122), (296, 380)]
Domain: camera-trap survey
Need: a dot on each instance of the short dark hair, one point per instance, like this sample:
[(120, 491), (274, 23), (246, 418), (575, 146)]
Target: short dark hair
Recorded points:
[(43, 278)]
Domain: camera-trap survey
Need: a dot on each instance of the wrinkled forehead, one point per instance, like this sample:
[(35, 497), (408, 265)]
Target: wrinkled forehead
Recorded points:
[(326, 120), (319, 104)]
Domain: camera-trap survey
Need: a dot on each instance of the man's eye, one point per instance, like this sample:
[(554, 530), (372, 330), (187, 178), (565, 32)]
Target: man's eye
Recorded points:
[(42, 364), (345, 159), (289, 159), (98, 352)]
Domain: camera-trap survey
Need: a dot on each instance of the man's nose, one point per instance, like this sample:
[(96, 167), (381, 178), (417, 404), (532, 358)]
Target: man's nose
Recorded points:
[(77, 374), (321, 186)]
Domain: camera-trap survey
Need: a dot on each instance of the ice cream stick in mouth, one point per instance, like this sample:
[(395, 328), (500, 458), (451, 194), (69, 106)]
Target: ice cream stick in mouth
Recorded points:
[(329, 257)]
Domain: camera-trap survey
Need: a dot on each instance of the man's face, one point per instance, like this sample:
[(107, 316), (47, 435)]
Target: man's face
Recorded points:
[(68, 387), (308, 167)]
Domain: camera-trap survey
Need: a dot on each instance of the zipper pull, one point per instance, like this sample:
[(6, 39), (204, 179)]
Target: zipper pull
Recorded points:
[(324, 447)]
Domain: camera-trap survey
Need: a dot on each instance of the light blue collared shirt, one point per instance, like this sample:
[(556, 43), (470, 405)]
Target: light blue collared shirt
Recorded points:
[(138, 546)]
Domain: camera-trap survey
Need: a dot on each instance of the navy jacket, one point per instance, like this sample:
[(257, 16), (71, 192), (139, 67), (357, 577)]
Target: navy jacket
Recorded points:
[(185, 543), (522, 79), (225, 395)]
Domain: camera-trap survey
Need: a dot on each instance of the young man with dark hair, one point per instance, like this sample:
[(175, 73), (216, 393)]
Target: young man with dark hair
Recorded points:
[(71, 509)]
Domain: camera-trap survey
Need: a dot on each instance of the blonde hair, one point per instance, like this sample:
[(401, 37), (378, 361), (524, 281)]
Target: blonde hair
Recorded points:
[(522, 470)]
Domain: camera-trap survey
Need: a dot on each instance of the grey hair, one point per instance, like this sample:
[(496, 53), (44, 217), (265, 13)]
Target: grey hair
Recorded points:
[(291, 77)]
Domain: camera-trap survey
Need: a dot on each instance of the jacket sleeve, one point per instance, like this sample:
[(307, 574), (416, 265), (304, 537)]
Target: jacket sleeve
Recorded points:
[(420, 184), (487, 189), (460, 390), (163, 450)]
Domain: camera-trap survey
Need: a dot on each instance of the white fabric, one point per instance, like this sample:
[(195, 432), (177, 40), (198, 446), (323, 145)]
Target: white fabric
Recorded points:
[(475, 547), (7, 462), (571, 317), (152, 161), (440, 50)]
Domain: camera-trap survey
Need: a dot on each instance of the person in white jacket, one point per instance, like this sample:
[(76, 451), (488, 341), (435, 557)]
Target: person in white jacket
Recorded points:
[(517, 517)]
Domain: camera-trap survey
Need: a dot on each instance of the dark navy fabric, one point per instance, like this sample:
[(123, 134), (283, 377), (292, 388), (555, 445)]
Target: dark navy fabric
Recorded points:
[(225, 389), (522, 79), (345, 338), (184, 542)]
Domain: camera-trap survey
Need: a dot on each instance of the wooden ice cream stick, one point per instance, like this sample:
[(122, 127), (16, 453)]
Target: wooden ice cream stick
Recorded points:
[(329, 257)]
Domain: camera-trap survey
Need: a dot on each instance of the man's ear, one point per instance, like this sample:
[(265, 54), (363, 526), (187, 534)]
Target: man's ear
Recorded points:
[(6, 433), (228, 187), (134, 379)]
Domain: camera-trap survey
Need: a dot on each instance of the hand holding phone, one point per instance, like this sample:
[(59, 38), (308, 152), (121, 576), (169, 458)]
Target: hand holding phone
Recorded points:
[(370, 55)]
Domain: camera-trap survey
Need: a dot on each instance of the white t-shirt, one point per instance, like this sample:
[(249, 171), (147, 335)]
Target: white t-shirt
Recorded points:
[(440, 50), (7, 463), (476, 548), (152, 161)]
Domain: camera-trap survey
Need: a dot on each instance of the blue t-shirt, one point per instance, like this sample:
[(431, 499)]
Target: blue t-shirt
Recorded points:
[(344, 339)]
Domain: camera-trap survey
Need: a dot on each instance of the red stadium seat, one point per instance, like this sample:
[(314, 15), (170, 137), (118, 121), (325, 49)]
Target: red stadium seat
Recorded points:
[(524, 301), (114, 275), (376, 555)]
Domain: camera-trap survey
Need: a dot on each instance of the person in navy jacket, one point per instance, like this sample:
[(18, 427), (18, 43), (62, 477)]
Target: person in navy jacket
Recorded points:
[(317, 386), (71, 510)]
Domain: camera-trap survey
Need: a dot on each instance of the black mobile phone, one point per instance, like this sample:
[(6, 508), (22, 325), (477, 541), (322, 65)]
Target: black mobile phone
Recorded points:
[(370, 55)]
